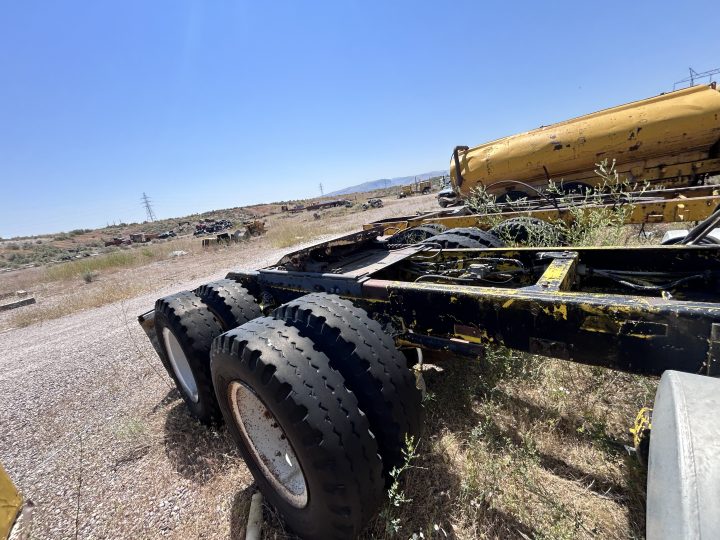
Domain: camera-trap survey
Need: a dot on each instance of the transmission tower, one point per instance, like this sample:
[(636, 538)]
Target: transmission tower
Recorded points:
[(695, 76), (321, 190), (148, 207)]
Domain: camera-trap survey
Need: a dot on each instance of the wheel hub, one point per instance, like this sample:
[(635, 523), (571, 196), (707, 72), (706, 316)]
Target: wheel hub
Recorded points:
[(269, 445), (180, 365)]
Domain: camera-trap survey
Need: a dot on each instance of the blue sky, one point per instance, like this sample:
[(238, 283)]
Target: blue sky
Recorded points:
[(206, 105)]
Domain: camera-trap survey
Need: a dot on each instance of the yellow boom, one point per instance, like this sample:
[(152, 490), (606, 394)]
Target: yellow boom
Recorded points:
[(672, 139)]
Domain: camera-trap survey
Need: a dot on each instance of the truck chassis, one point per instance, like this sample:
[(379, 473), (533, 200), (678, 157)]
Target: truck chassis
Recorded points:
[(325, 325), (577, 304)]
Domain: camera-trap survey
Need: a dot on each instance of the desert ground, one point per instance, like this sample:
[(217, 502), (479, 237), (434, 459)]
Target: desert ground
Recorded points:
[(94, 433)]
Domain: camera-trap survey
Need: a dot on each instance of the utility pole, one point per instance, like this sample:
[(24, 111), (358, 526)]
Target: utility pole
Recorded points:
[(148, 207), (321, 190)]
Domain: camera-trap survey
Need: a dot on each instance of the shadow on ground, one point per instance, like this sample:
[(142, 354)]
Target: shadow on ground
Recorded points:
[(436, 488), (439, 494), (197, 452)]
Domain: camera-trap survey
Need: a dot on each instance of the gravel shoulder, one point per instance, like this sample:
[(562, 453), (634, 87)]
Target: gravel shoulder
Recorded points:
[(95, 434)]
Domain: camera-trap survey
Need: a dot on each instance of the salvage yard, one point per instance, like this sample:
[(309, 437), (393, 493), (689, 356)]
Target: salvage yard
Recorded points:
[(94, 433)]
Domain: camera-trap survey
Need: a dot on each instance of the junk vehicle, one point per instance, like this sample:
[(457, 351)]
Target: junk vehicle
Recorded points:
[(423, 187), (292, 209), (672, 139), (447, 196), (302, 360), (250, 228), (209, 226), (372, 203), (323, 205)]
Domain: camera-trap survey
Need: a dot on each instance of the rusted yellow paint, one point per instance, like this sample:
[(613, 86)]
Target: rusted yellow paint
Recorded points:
[(558, 312), (602, 325), (554, 273), (481, 336), (10, 503), (655, 139), (508, 303)]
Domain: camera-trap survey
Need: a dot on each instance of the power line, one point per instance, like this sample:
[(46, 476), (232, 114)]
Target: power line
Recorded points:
[(148, 207), (695, 76)]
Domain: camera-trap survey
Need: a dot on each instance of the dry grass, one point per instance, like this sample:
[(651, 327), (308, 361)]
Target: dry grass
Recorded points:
[(289, 233), (86, 283), (128, 258), (287, 230), (82, 298), (520, 446)]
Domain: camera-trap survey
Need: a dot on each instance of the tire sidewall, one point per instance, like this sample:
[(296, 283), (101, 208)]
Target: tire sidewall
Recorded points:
[(310, 520), (201, 408)]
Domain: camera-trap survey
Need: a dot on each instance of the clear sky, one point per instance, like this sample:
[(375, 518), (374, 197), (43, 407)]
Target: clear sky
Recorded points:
[(211, 104)]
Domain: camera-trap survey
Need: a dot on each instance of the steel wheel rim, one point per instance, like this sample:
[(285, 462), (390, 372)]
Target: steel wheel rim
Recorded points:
[(180, 365), (269, 445)]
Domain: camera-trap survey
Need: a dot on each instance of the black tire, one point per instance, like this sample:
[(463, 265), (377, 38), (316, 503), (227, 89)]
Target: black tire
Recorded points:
[(230, 302), (373, 369), (577, 188), (510, 196), (523, 230), (706, 241), (186, 319), (485, 238), (450, 240), (414, 235), (437, 227), (308, 402)]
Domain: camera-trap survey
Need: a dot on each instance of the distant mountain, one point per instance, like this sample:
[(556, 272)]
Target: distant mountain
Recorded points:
[(387, 182)]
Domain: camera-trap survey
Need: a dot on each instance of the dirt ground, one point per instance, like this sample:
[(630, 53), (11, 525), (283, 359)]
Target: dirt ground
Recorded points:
[(94, 433)]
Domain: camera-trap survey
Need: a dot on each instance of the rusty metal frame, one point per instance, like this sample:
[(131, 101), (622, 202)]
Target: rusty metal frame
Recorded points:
[(655, 206), (563, 308)]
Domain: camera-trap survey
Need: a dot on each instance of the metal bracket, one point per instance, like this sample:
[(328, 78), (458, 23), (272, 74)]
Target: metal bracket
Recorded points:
[(560, 273)]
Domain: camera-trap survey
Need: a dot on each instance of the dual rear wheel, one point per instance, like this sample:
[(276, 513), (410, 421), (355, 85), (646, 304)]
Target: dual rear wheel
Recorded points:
[(186, 324), (317, 397)]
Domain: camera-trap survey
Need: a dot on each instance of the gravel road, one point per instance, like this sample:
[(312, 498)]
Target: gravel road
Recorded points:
[(96, 437)]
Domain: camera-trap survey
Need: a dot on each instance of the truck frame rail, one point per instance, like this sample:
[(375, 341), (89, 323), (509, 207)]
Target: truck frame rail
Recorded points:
[(609, 307)]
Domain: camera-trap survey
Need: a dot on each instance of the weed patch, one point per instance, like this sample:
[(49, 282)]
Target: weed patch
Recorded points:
[(77, 301)]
